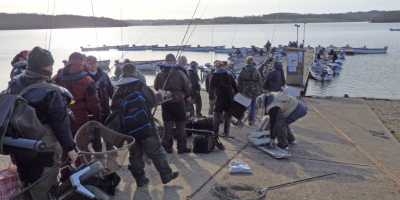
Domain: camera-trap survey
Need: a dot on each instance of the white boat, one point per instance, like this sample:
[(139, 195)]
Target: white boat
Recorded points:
[(233, 50), (166, 47), (365, 50), (133, 48), (104, 65), (341, 54), (217, 47), (321, 72), (95, 48), (118, 46), (395, 29), (200, 49), (150, 46), (147, 65)]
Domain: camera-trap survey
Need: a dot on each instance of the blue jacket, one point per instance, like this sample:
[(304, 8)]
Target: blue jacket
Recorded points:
[(275, 79)]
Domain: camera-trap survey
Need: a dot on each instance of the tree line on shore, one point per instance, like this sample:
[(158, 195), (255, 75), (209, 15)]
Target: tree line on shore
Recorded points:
[(393, 16)]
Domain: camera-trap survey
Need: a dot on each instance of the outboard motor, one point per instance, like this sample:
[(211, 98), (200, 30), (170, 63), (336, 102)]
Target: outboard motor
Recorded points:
[(324, 72)]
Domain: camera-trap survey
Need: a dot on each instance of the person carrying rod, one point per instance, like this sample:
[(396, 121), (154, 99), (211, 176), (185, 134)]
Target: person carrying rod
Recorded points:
[(51, 110)]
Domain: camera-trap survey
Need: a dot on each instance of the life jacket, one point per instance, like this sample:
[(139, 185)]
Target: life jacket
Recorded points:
[(286, 103)]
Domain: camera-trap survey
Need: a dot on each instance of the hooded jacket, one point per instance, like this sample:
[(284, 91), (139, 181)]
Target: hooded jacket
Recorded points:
[(178, 83), (275, 79), (83, 89), (221, 86), (194, 79), (208, 78), (106, 89), (248, 75)]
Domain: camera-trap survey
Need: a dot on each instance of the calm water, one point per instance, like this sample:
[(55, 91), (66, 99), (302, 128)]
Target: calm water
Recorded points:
[(362, 75)]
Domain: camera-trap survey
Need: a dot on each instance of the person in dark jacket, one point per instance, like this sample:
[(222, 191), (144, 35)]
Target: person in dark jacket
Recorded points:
[(264, 67), (103, 83), (195, 81), (151, 145), (283, 110), (74, 78), (19, 63), (22, 56), (275, 78), (333, 55), (140, 76), (221, 95), (208, 79), (51, 110), (268, 46), (174, 80)]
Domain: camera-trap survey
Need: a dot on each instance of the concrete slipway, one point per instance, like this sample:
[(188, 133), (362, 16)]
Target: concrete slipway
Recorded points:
[(321, 150)]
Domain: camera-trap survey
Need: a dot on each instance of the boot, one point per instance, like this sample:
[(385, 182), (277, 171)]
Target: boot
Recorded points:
[(141, 181), (185, 150), (217, 116), (168, 145), (173, 176), (227, 126), (167, 139)]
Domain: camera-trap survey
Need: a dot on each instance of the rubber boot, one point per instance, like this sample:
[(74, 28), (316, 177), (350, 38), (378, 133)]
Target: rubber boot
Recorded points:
[(141, 181), (227, 125), (173, 176)]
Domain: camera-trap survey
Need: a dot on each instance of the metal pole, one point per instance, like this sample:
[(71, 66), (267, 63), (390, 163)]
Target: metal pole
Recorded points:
[(304, 34), (297, 41)]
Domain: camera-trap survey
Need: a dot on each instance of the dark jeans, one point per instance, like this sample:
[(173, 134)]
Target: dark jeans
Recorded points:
[(153, 148)]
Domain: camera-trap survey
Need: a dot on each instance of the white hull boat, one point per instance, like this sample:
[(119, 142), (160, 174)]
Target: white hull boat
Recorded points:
[(147, 65), (118, 46), (104, 65), (395, 29), (228, 50), (321, 72), (370, 51), (198, 49), (177, 47), (95, 48), (134, 48)]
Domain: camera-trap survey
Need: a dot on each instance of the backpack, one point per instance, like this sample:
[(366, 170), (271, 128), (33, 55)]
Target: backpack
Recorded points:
[(253, 90), (135, 114), (19, 119), (203, 143)]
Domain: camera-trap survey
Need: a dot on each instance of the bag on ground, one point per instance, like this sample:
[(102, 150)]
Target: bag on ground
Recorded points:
[(239, 167), (203, 143), (9, 183)]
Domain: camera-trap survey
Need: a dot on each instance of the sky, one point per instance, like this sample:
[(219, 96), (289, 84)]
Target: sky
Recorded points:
[(183, 9)]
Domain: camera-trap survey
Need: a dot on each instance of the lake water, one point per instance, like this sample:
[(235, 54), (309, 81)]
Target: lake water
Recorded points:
[(362, 75)]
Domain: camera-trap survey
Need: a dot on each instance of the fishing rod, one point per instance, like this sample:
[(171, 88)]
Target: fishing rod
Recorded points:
[(277, 16), (191, 20), (198, 21), (234, 32), (122, 41), (45, 39), (52, 26), (212, 37), (95, 29)]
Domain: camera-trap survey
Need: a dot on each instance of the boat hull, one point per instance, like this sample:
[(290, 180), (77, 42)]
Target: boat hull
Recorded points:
[(197, 49), (166, 48), (95, 49), (118, 46), (104, 65), (136, 48)]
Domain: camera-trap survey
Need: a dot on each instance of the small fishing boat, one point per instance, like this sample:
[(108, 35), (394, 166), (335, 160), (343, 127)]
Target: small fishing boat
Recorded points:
[(365, 50), (147, 65), (118, 46), (166, 47), (133, 48), (104, 65), (95, 48), (198, 49), (147, 47), (230, 50), (341, 54), (217, 47), (321, 72), (336, 68), (395, 29)]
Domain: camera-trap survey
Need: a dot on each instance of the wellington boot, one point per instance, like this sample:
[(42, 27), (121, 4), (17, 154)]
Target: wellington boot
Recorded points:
[(141, 181), (173, 176)]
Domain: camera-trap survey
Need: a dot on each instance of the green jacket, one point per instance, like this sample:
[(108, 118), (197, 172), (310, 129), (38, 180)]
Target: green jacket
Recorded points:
[(247, 76)]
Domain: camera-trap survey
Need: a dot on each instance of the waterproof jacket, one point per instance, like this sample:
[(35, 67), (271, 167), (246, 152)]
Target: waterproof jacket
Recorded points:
[(178, 83), (124, 87), (194, 79), (49, 106), (208, 78), (221, 86), (275, 79), (83, 88), (105, 88), (264, 65), (248, 75), (18, 68)]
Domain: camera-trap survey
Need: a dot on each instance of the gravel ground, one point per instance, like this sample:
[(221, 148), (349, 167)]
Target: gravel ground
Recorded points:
[(388, 111)]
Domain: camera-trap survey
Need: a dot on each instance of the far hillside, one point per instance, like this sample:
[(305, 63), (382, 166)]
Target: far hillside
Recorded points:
[(393, 16)]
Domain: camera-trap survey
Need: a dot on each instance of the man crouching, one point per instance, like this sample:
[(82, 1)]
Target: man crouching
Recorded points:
[(133, 100)]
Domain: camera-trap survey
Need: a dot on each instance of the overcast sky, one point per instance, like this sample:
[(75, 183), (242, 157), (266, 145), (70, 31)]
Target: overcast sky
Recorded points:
[(183, 9)]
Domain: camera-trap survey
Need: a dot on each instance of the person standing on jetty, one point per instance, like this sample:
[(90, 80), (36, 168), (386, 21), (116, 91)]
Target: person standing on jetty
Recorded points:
[(103, 82), (283, 110), (221, 94), (275, 79), (268, 46), (173, 79), (83, 89), (231, 69), (151, 145), (250, 84), (208, 79), (51, 110), (195, 81)]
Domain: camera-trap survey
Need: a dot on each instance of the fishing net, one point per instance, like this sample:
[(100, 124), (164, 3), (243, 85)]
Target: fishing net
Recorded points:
[(240, 192), (98, 143)]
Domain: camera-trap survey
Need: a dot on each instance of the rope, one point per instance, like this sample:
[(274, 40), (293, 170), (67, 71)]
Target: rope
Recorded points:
[(188, 28), (393, 177), (45, 39), (234, 32), (95, 29), (198, 21), (211, 177), (122, 41), (51, 31), (277, 16)]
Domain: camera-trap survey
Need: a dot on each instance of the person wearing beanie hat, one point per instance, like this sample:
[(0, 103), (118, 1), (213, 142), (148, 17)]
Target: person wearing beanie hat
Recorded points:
[(173, 79), (74, 78), (151, 145), (195, 81), (140, 76), (52, 110)]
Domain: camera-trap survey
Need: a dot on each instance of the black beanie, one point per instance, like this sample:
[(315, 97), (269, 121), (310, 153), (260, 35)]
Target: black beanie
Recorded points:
[(128, 70), (39, 58)]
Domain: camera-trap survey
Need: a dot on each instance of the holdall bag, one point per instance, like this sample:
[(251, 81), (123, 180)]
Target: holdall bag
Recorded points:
[(239, 105), (9, 182), (203, 143), (205, 123)]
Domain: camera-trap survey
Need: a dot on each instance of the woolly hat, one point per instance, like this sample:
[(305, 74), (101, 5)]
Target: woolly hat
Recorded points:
[(38, 58), (128, 70), (193, 64), (170, 57)]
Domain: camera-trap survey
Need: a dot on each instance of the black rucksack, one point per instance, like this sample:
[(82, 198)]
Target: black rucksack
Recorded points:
[(203, 143), (136, 114)]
